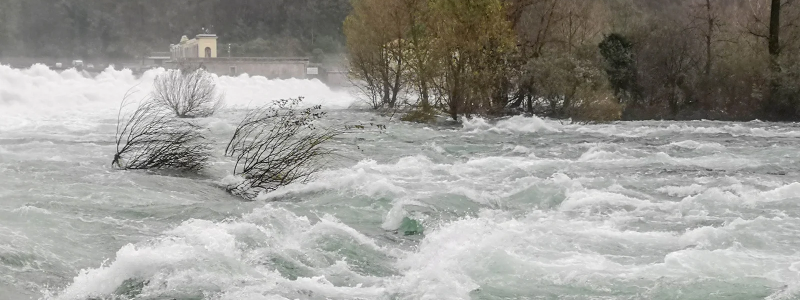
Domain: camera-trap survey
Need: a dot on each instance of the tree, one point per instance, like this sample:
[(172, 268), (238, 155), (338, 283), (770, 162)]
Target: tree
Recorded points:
[(470, 38), (558, 42), (422, 66), (455, 50), (620, 67), (189, 93), (774, 48), (376, 32), (705, 19), (775, 23)]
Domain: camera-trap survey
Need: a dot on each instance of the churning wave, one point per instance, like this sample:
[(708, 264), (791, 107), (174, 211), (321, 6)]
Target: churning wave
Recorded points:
[(497, 209)]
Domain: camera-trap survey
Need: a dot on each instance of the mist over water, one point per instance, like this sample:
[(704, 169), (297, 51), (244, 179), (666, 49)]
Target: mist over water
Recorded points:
[(516, 208)]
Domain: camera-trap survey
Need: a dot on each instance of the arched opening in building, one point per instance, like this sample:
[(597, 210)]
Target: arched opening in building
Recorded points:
[(208, 52)]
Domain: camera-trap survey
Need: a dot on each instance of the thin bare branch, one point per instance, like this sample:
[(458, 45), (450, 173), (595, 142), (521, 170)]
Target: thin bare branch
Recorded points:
[(278, 145), (190, 93), (150, 138)]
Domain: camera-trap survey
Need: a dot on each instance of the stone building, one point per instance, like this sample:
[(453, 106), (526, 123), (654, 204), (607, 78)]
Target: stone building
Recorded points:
[(202, 51), (202, 46)]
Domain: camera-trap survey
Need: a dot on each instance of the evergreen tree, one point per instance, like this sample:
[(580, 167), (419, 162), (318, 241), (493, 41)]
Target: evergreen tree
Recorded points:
[(620, 67)]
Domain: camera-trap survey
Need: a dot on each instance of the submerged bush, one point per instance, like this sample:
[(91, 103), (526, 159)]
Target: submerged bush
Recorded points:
[(420, 115), (272, 146), (277, 145), (596, 105), (189, 93), (151, 138)]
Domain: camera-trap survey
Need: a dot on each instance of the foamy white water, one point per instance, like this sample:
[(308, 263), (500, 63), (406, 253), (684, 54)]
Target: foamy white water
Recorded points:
[(521, 208)]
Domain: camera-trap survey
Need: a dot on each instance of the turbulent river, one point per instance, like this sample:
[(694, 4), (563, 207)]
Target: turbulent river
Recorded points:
[(519, 208)]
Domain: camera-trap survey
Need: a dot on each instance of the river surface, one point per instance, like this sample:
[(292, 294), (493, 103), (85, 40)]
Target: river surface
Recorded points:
[(519, 208)]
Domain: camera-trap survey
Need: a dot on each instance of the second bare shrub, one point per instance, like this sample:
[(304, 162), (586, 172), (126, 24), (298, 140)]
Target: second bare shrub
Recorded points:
[(277, 145)]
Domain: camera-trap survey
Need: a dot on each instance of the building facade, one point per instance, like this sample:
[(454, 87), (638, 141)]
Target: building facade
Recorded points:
[(272, 68), (202, 46), (201, 51)]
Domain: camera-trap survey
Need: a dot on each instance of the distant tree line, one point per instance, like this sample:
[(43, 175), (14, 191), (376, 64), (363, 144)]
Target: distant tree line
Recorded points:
[(133, 28), (586, 60)]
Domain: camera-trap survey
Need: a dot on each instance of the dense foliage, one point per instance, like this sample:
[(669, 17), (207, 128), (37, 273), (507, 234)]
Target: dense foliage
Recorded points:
[(130, 28)]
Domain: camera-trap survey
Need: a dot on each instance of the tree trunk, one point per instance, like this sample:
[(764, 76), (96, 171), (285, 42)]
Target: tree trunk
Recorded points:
[(709, 35), (530, 103), (455, 98), (775, 101), (455, 92), (424, 101), (397, 81), (385, 85), (774, 29)]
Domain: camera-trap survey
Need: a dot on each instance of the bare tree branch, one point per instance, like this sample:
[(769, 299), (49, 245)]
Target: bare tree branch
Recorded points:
[(277, 145), (188, 93), (150, 138)]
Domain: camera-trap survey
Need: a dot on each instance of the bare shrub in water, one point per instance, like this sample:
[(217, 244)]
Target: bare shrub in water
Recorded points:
[(189, 93), (277, 145), (151, 138)]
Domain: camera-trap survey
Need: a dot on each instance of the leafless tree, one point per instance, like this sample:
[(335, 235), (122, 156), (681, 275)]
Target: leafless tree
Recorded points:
[(151, 138), (189, 93), (277, 145)]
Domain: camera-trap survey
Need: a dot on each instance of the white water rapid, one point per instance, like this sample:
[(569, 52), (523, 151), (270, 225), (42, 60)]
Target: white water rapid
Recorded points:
[(520, 208)]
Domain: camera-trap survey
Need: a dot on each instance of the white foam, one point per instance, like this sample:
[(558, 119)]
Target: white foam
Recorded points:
[(690, 144), (28, 209), (787, 192), (39, 93), (738, 195), (681, 191), (520, 254), (226, 260), (516, 124), (644, 129), (246, 91), (521, 150), (361, 178), (597, 154), (593, 199), (436, 148)]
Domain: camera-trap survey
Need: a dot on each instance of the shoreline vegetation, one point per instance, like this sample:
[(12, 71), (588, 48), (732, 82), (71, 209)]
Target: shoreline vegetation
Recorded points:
[(588, 61)]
